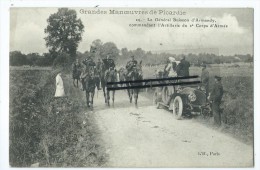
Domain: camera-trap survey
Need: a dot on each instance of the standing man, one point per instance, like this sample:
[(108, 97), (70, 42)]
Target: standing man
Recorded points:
[(205, 79), (215, 97), (183, 68)]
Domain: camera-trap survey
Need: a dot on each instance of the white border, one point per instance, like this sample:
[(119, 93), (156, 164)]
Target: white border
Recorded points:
[(4, 50)]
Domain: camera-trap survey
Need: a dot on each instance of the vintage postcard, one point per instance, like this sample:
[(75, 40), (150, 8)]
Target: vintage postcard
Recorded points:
[(131, 87)]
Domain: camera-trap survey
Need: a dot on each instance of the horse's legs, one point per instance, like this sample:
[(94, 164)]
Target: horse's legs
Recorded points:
[(136, 91), (113, 96), (74, 82), (87, 98), (83, 84), (130, 94), (77, 82), (108, 97), (92, 98), (104, 91)]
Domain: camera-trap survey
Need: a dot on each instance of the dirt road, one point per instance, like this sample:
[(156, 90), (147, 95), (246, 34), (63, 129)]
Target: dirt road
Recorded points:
[(148, 137)]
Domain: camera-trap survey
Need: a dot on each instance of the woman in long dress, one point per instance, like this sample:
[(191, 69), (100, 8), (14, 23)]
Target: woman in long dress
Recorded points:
[(59, 86)]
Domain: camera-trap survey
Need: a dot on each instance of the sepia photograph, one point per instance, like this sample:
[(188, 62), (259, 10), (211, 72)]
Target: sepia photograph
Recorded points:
[(109, 87)]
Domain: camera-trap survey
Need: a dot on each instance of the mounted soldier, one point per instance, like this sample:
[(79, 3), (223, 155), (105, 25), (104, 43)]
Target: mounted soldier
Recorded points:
[(108, 74), (130, 66), (109, 65), (89, 66), (89, 77), (76, 71)]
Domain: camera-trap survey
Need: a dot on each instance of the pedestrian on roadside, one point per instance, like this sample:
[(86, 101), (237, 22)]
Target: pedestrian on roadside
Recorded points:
[(215, 97), (59, 86)]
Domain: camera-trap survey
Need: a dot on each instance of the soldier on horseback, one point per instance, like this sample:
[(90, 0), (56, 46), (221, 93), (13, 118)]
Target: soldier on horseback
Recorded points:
[(76, 71), (108, 74), (130, 66), (109, 65), (85, 75), (88, 77)]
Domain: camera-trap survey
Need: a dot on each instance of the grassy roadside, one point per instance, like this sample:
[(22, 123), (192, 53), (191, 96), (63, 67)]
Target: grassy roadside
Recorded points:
[(50, 132), (240, 128)]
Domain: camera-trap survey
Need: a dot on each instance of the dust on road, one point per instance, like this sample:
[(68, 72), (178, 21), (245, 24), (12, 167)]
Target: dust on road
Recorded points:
[(148, 137)]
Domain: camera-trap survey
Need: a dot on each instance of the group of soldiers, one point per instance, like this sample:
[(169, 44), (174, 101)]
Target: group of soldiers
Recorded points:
[(103, 66), (180, 68)]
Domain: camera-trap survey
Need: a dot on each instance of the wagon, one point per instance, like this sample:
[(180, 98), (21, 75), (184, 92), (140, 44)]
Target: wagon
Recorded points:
[(182, 100)]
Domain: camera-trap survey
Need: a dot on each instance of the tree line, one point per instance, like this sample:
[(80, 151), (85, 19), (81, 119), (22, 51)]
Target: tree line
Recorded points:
[(17, 58)]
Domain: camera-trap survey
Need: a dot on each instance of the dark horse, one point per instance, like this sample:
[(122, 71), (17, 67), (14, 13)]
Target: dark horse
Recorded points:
[(136, 74), (109, 75), (89, 78)]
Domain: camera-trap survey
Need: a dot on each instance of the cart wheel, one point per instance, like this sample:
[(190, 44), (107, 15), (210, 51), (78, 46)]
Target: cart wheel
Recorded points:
[(165, 94), (177, 109)]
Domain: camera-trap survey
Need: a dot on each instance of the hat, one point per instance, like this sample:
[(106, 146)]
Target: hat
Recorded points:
[(172, 59), (218, 78)]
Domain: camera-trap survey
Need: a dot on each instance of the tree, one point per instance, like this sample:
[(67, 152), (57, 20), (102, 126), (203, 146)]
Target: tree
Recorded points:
[(97, 45), (64, 32), (17, 58), (110, 49), (32, 58), (139, 53)]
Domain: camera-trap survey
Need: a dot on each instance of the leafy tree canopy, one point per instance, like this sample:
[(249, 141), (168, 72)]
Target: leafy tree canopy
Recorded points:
[(64, 32)]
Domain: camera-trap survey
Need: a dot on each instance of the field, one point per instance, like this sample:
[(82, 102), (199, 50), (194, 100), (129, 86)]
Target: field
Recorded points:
[(238, 99), (50, 132)]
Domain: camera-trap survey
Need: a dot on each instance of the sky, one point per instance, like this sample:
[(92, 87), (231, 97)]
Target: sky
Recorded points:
[(27, 30)]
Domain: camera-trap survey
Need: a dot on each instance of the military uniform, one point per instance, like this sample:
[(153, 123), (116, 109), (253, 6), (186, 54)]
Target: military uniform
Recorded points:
[(130, 65), (216, 96), (183, 68), (205, 80), (109, 63), (76, 70)]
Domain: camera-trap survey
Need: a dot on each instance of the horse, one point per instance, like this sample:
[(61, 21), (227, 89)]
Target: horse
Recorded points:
[(89, 85), (108, 75), (122, 75), (136, 74)]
